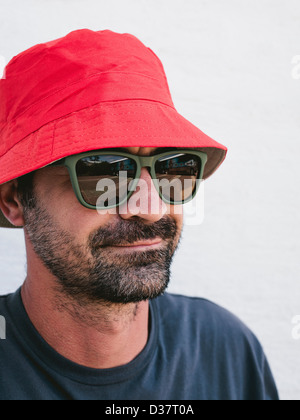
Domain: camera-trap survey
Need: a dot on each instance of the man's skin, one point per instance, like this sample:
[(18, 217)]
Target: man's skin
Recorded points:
[(95, 335)]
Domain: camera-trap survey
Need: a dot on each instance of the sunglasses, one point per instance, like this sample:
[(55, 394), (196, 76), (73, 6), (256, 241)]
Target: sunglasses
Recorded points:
[(107, 179)]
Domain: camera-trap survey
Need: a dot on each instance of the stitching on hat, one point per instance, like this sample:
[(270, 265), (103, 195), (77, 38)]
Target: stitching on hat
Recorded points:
[(123, 129), (79, 129), (91, 109), (143, 103), (46, 127), (76, 82)]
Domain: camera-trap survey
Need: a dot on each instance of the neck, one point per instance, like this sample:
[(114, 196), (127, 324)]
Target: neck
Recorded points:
[(99, 336)]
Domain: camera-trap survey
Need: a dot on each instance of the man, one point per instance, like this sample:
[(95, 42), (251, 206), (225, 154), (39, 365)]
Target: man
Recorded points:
[(90, 143)]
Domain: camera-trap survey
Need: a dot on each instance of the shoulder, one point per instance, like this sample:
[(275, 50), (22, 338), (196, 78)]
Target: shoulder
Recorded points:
[(202, 318), (196, 309), (219, 347)]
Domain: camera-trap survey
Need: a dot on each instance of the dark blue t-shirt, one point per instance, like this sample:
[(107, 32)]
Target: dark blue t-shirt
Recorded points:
[(196, 351)]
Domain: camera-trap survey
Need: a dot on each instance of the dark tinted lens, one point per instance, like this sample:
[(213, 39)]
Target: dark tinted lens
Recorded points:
[(103, 180), (177, 175)]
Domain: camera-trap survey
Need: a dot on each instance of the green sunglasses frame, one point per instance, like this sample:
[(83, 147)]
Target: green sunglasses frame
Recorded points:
[(70, 163)]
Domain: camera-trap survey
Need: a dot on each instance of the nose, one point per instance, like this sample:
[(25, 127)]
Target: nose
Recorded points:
[(145, 202)]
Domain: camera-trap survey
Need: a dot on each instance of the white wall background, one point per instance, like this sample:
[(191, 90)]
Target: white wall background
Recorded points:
[(229, 65)]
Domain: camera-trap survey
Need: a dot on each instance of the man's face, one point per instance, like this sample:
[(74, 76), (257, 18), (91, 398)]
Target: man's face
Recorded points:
[(122, 257)]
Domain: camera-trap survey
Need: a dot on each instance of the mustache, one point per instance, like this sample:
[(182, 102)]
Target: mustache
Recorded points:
[(126, 233)]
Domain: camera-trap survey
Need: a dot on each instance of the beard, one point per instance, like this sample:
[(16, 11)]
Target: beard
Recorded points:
[(93, 272)]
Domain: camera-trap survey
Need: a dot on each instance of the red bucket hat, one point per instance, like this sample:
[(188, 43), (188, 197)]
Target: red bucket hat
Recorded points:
[(88, 91)]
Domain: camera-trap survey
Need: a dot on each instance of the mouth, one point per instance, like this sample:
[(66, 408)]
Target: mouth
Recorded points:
[(144, 245)]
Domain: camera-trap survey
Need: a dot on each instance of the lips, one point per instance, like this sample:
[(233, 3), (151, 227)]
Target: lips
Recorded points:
[(153, 243)]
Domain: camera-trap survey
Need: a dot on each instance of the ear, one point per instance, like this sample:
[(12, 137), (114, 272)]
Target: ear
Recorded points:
[(10, 204)]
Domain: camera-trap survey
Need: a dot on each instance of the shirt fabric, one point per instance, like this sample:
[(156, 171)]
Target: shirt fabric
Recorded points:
[(196, 351)]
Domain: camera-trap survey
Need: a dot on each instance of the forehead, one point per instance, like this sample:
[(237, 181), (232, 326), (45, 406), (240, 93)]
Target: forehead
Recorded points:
[(146, 151), (141, 151)]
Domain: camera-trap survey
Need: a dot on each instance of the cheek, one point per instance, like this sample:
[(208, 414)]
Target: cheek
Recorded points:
[(176, 214), (80, 221), (67, 213)]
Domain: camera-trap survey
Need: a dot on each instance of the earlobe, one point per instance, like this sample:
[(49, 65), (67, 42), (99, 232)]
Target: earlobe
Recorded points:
[(10, 204)]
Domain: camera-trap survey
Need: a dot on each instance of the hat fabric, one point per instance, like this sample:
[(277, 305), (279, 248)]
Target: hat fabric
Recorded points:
[(89, 91)]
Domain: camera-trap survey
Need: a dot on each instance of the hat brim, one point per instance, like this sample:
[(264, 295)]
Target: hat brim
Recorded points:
[(108, 125)]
